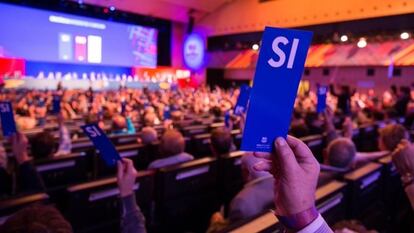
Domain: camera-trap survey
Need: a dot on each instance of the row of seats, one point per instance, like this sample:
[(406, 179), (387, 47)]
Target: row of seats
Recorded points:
[(174, 199), (372, 194)]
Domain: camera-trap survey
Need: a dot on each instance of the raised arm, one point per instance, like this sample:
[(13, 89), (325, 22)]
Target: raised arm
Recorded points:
[(27, 178), (296, 175), (132, 219)]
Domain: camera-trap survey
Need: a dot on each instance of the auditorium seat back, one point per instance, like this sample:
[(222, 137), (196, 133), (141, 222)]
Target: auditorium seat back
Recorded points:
[(393, 194), (237, 137), (95, 206), (132, 152), (58, 172), (331, 201), (316, 144), (186, 196), (230, 179), (200, 145), (365, 194), (368, 138)]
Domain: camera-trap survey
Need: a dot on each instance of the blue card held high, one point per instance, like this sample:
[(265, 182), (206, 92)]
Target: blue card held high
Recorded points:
[(56, 104), (242, 100), (278, 72), (321, 94), (8, 124), (102, 143)]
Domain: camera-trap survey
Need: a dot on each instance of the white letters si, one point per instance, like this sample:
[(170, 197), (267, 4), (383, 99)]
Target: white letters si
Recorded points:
[(93, 131), (282, 56)]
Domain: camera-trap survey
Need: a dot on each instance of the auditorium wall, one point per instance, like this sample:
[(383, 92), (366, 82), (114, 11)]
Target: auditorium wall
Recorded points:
[(362, 78)]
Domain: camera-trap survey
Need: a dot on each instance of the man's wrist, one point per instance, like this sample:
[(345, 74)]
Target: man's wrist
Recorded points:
[(126, 193), (300, 220)]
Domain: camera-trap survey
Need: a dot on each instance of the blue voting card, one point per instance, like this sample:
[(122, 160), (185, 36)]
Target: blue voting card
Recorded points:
[(167, 113), (8, 124), (242, 100), (102, 143), (123, 107), (278, 72), (227, 119), (56, 104), (321, 94)]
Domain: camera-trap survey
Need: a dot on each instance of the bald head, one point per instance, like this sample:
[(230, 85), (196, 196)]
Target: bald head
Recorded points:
[(172, 143), (118, 122), (341, 152), (148, 135)]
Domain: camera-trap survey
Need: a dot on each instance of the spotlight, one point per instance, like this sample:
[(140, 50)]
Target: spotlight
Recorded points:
[(80, 2), (362, 43), (404, 35), (344, 38), (255, 47), (112, 8)]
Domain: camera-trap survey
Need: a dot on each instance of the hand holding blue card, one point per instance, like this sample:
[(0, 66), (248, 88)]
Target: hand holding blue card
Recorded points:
[(8, 124), (321, 93), (242, 100), (278, 72), (102, 143)]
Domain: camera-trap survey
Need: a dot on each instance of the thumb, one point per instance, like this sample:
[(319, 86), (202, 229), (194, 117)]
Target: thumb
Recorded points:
[(120, 169), (285, 156)]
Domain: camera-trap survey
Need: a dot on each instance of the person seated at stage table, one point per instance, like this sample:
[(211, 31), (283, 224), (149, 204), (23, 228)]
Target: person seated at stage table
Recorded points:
[(172, 147), (221, 142), (295, 171), (28, 180)]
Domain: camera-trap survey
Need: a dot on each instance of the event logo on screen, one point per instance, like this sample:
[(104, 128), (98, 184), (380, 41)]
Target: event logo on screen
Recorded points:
[(80, 48), (144, 45)]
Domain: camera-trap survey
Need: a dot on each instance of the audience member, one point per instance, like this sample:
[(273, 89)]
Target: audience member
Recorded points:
[(403, 158), (148, 135), (28, 180), (43, 145), (37, 219), (221, 142), (172, 147)]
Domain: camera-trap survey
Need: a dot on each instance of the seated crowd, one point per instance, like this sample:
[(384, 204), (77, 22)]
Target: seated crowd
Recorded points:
[(285, 180)]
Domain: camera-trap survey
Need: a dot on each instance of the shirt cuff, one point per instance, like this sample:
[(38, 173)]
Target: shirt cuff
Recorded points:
[(314, 226), (129, 204)]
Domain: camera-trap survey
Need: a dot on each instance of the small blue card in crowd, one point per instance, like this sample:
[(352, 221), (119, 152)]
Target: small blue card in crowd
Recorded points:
[(278, 72), (227, 119), (123, 106), (321, 94), (242, 100), (102, 143), (56, 104), (167, 113), (8, 124)]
